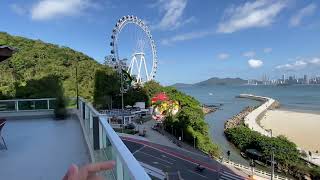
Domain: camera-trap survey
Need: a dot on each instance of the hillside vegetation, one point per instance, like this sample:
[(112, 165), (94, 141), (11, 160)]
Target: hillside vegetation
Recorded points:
[(286, 154), (36, 60), (189, 119)]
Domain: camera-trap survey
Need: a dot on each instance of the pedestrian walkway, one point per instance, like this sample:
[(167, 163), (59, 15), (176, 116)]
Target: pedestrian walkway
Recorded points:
[(165, 138), (155, 136), (225, 175), (251, 119)]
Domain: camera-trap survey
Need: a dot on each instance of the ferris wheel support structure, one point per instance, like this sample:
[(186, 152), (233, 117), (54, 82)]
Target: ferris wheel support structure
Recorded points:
[(137, 60)]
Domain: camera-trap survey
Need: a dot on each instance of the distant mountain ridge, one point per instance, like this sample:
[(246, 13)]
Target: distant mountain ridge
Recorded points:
[(215, 81)]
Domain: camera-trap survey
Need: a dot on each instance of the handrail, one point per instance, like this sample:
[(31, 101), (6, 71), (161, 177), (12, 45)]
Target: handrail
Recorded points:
[(256, 171), (13, 105), (135, 170), (39, 99)]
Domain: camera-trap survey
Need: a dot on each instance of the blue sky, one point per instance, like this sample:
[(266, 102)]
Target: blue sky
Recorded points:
[(195, 41)]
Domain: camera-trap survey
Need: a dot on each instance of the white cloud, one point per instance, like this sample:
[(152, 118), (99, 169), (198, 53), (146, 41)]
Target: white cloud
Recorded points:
[(300, 64), (49, 9), (223, 56), (267, 50), (315, 61), (249, 54), (173, 12), (186, 36), (304, 12), (255, 63), (259, 13)]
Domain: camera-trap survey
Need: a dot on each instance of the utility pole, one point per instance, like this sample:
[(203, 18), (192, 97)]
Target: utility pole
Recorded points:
[(194, 142), (182, 134), (122, 90), (272, 158), (172, 129), (77, 84)]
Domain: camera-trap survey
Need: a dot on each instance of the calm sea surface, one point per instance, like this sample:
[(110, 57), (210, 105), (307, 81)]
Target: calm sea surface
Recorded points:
[(298, 98)]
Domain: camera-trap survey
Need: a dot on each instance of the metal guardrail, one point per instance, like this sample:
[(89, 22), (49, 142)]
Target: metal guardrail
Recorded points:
[(107, 145), (255, 171)]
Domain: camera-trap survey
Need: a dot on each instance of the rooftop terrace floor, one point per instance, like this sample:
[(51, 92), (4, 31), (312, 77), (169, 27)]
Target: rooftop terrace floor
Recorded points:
[(41, 149)]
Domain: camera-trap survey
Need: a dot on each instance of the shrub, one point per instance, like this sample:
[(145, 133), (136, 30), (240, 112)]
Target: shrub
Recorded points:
[(60, 110)]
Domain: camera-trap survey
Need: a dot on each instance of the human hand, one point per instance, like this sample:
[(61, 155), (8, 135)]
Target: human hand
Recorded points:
[(88, 172)]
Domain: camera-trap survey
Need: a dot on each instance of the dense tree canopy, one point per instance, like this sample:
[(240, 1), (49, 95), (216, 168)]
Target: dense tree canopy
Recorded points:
[(286, 154), (36, 59), (189, 119)]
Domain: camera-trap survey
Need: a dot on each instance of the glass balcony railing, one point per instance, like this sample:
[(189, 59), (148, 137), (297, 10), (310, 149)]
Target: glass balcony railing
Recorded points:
[(107, 145), (103, 142), (33, 104), (27, 105)]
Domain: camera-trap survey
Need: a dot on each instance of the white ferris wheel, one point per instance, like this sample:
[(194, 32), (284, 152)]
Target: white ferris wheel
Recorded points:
[(132, 39)]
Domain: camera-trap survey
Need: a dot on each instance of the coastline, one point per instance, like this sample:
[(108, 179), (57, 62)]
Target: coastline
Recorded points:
[(252, 119), (301, 127)]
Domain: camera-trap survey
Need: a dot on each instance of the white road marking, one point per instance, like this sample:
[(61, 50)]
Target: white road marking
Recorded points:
[(230, 176), (158, 173), (180, 176), (139, 149), (156, 157), (198, 174), (164, 156)]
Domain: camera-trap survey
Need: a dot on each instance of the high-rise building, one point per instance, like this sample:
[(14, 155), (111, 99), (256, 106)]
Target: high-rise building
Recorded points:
[(305, 79), (283, 78)]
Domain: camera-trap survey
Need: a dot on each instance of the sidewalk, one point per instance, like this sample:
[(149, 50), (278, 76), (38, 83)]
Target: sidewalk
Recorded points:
[(154, 136), (165, 138)]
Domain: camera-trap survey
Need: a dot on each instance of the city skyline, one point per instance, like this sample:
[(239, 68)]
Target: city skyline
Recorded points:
[(192, 45), (286, 80)]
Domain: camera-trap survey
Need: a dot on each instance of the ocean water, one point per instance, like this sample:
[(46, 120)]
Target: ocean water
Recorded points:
[(297, 98)]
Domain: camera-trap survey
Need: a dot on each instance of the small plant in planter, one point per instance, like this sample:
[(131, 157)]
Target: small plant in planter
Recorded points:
[(60, 110)]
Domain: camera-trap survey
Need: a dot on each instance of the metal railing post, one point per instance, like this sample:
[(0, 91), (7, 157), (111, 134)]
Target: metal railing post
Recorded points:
[(83, 110), (96, 133), (17, 105), (48, 104)]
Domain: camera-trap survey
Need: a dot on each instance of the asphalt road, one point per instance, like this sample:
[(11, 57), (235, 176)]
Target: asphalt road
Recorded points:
[(177, 164)]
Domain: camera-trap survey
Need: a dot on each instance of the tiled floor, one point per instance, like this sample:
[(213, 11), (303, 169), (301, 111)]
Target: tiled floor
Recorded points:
[(41, 149)]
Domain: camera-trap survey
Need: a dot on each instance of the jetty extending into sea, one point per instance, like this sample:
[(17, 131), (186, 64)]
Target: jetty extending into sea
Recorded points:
[(251, 119)]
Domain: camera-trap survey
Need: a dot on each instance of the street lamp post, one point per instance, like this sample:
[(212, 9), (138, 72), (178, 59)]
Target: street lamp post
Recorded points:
[(181, 134), (272, 158), (194, 142), (122, 90), (172, 129), (77, 84)]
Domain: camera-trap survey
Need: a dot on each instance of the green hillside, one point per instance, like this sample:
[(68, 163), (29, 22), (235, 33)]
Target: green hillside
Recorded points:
[(36, 60), (213, 82), (222, 81)]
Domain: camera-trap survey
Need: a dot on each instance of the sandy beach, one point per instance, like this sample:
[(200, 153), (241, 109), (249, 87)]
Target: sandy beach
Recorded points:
[(300, 127)]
